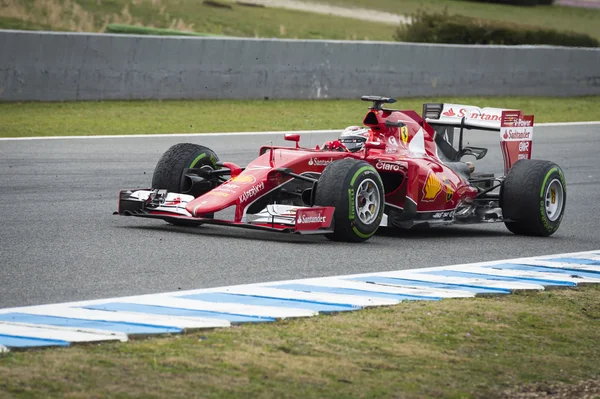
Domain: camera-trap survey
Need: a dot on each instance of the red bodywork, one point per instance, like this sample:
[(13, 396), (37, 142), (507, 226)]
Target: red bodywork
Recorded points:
[(405, 156)]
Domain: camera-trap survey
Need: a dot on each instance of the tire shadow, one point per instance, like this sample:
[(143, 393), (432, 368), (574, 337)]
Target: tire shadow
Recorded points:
[(227, 232)]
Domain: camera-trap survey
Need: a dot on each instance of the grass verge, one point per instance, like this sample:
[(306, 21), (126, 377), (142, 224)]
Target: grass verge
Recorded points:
[(186, 15), (561, 18), (149, 117), (484, 347)]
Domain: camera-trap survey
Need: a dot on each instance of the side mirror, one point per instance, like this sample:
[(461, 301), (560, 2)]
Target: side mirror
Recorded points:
[(293, 137)]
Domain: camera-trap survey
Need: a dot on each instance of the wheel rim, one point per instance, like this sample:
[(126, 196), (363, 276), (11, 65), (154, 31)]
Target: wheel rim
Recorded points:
[(367, 201), (554, 199)]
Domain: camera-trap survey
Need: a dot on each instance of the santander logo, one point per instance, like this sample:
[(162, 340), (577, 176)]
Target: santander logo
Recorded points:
[(472, 113), (450, 112)]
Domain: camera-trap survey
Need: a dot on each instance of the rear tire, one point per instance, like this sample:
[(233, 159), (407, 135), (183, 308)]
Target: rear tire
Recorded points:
[(168, 173), (533, 197), (355, 189)]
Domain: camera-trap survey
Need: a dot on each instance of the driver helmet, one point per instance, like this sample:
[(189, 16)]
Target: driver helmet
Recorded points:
[(354, 137)]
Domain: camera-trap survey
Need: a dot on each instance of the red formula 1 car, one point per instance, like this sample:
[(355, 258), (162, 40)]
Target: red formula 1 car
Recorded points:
[(408, 172)]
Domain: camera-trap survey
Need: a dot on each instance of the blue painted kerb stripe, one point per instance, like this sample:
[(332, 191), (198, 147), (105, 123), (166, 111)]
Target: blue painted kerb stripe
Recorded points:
[(260, 301), (573, 273), (580, 261), (398, 281), (355, 292), (493, 277), (164, 310), (18, 341), (124, 327)]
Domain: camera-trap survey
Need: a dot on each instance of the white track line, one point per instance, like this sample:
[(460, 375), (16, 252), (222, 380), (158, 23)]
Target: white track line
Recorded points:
[(136, 136), (139, 136)]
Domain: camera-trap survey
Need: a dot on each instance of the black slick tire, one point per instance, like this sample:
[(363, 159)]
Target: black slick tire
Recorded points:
[(170, 167), (168, 173), (533, 197), (339, 186)]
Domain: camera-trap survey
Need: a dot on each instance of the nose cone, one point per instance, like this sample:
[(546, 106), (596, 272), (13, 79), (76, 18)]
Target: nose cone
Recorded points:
[(236, 191)]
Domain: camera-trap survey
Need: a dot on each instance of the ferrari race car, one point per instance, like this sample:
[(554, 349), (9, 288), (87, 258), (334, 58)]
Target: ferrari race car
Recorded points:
[(408, 172)]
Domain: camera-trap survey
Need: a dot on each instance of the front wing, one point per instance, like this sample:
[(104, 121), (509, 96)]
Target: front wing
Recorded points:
[(170, 207)]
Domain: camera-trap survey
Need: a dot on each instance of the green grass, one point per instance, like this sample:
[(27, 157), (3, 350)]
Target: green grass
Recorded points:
[(94, 15), (480, 348), (149, 117), (243, 21), (555, 17)]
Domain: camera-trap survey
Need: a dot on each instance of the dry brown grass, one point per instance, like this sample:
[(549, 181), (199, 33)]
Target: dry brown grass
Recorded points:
[(69, 15)]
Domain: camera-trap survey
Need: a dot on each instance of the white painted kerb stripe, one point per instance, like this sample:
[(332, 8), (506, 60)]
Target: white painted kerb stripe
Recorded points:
[(400, 289), (163, 135), (43, 333), (125, 317), (312, 296), (233, 308), (525, 274), (116, 334)]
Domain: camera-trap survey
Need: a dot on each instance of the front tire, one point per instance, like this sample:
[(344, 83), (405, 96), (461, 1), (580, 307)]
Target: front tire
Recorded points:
[(533, 197), (169, 171), (355, 189)]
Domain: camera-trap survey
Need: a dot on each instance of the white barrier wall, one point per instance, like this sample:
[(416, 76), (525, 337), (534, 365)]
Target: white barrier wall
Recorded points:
[(50, 66)]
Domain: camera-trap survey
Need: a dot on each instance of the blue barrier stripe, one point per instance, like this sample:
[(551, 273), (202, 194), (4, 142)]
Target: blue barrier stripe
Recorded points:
[(580, 261), (352, 291), (547, 269), (492, 277), (124, 327), (429, 284), (163, 310), (258, 301), (17, 341)]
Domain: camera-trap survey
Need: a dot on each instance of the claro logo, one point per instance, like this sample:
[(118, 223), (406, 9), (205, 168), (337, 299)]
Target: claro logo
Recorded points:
[(388, 167)]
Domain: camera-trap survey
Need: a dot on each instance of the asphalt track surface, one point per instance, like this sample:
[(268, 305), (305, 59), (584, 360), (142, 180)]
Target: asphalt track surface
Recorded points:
[(60, 241)]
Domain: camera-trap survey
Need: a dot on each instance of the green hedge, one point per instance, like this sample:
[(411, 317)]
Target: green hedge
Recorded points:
[(458, 29)]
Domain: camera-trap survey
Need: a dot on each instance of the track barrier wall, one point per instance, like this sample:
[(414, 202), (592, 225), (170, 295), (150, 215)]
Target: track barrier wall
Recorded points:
[(58, 66)]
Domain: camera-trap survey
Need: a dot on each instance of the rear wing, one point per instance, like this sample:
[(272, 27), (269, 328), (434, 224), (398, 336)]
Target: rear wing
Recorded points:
[(453, 114), (516, 129)]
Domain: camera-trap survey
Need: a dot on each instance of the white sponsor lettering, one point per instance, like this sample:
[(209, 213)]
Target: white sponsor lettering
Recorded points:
[(389, 167), (473, 113), (252, 192), (516, 133), (392, 141), (319, 162), (524, 146), (523, 156), (311, 219), (443, 215)]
